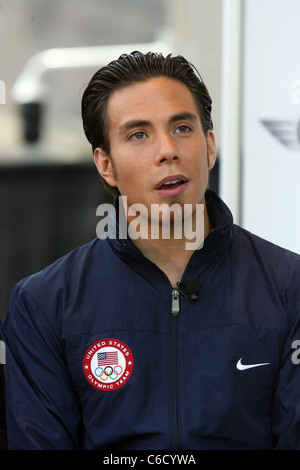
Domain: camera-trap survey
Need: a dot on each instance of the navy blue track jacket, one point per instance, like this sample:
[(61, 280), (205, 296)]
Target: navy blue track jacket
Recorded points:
[(102, 352)]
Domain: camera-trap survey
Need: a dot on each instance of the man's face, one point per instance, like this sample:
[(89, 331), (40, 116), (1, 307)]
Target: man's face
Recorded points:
[(158, 150)]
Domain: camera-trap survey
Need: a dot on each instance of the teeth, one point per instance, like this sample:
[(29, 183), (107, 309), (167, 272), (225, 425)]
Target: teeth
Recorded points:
[(172, 182)]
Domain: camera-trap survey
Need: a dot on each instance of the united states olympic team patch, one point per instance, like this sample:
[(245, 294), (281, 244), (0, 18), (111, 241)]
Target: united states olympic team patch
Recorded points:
[(108, 364)]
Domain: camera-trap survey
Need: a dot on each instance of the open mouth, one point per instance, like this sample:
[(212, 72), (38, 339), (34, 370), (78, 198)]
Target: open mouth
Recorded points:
[(171, 185)]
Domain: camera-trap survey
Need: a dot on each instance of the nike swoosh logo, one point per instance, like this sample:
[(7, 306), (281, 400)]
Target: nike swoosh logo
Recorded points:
[(241, 366)]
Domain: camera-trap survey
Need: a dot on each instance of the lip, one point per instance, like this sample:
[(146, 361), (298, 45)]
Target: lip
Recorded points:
[(171, 191)]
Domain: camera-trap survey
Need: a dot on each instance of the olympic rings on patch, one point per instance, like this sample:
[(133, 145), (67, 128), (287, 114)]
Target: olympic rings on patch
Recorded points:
[(108, 374), (108, 367), (99, 375)]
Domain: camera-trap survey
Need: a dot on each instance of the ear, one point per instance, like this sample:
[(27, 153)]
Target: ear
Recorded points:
[(104, 166), (211, 150)]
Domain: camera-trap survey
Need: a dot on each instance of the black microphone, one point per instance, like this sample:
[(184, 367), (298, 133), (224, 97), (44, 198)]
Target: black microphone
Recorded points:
[(191, 287)]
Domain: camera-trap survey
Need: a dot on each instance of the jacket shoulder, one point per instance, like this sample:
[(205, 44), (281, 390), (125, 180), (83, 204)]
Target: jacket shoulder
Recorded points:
[(64, 275), (269, 264), (267, 249)]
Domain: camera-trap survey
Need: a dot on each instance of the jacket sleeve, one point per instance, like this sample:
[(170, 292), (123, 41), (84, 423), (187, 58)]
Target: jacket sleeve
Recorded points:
[(286, 401), (42, 412)]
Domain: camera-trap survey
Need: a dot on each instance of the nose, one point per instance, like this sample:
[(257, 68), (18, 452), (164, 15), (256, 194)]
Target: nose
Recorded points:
[(166, 151)]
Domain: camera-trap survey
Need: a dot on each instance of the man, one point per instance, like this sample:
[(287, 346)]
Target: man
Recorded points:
[(138, 342)]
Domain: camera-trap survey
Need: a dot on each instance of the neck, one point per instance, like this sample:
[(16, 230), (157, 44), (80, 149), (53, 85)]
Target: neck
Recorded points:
[(173, 254)]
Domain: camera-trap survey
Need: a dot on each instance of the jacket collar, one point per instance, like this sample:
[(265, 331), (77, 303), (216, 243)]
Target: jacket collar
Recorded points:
[(221, 220), (215, 246), (218, 242)]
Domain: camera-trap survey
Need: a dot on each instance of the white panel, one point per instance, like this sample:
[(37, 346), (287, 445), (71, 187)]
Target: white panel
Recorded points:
[(271, 149)]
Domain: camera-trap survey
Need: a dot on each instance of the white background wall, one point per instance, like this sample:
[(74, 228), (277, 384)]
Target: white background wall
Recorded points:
[(270, 187)]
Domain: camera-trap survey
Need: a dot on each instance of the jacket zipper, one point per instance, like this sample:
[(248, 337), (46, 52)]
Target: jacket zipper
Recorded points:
[(175, 313)]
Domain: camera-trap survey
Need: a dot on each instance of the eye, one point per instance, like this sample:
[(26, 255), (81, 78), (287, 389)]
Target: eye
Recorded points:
[(183, 129), (137, 136)]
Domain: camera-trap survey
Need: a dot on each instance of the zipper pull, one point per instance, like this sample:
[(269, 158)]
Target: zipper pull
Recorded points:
[(175, 303)]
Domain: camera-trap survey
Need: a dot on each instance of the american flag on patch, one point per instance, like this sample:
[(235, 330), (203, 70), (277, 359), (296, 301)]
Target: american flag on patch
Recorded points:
[(107, 358)]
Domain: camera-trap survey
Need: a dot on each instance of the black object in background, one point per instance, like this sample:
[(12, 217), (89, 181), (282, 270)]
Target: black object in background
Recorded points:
[(46, 210)]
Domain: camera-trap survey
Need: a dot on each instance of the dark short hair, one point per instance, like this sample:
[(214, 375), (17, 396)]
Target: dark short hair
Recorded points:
[(134, 68)]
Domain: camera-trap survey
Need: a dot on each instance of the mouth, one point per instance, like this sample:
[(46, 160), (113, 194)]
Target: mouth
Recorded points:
[(171, 185)]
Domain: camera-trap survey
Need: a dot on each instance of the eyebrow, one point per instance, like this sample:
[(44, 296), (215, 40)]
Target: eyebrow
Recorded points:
[(132, 124), (135, 123), (183, 116)]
